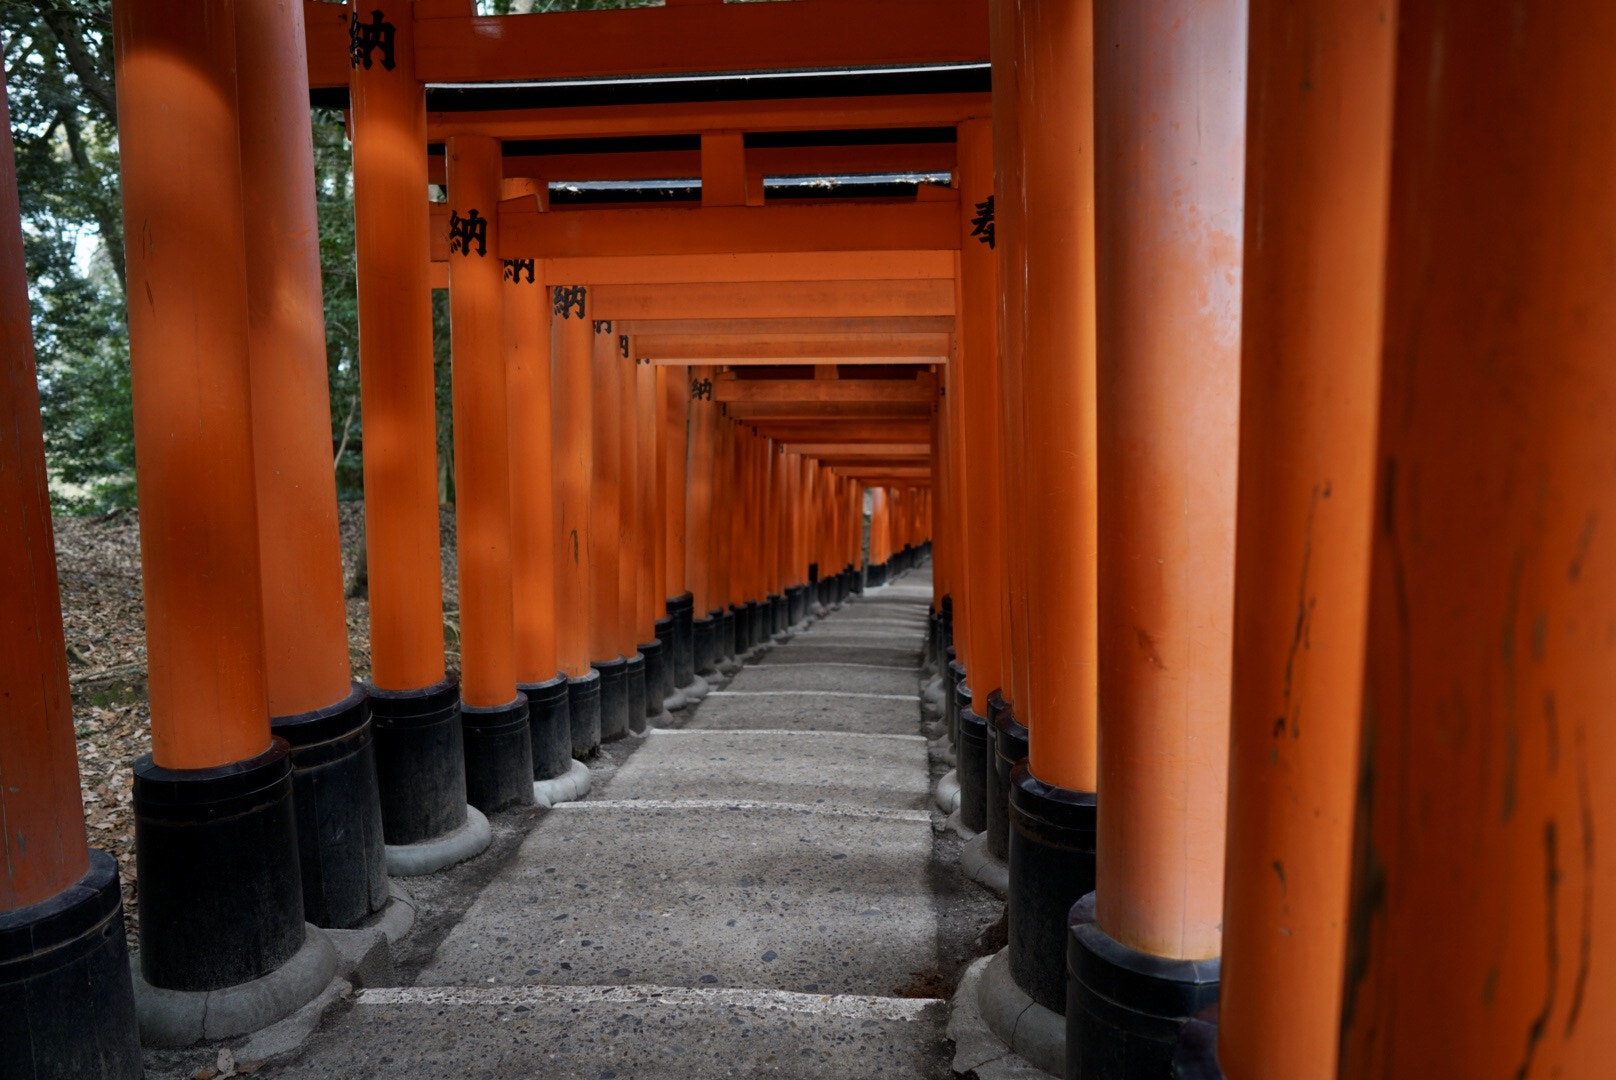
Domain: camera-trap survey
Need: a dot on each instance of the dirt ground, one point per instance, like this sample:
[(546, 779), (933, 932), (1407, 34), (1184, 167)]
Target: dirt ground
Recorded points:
[(103, 616)]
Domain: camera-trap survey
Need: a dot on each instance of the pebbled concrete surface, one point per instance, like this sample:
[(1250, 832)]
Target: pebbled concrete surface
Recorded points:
[(809, 711)]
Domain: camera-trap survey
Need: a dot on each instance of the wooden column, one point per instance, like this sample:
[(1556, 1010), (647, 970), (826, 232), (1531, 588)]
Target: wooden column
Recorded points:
[(673, 412), (1481, 924), (392, 241), (605, 492), (482, 447), (1318, 159), (572, 346), (649, 547), (699, 491), (532, 439), (628, 520)]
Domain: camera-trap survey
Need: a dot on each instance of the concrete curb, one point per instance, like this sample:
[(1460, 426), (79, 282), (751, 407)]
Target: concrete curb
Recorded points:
[(570, 786), (696, 690), (674, 701), (957, 826), (179, 1018), (397, 916), (948, 792), (430, 856), (977, 1050), (979, 864), (1031, 1031), (662, 720)]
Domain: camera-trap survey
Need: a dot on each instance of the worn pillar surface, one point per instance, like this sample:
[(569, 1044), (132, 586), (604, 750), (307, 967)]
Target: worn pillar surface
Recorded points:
[(1318, 159), (1482, 876)]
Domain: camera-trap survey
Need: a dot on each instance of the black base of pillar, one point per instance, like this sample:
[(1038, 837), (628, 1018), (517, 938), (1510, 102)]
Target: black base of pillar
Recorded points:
[(726, 635), (499, 754), (1196, 1056), (664, 633), (634, 692), (221, 893), (339, 811), (682, 609), (796, 604), (654, 697), (953, 678), (947, 611), (583, 702), (549, 726), (741, 629), (704, 639), (972, 765), (1007, 744), (420, 761), (775, 613), (757, 624), (1051, 865), (613, 698), (1125, 1009), (67, 1006)]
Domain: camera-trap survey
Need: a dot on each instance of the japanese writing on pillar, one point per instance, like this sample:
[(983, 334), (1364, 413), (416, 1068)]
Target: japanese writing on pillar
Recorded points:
[(701, 389), (982, 223), (603, 326), (466, 231), (568, 296), (622, 345), (515, 268), (365, 38)]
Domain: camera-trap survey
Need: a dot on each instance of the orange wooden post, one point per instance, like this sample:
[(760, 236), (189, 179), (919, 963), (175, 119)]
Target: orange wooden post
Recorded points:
[(89, 1027), (770, 585), (1318, 159), (534, 518), (312, 698), (675, 384), (724, 547), (648, 619), (982, 513), (494, 714), (1169, 163), (415, 708), (699, 524), (959, 585), (188, 342), (605, 535), (572, 345), (629, 543), (1481, 923)]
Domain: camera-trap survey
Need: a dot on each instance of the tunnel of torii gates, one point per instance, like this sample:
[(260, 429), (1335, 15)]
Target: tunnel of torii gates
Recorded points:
[(1331, 744)]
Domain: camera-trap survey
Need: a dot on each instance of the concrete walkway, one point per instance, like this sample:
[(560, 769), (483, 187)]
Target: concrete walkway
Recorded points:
[(751, 894)]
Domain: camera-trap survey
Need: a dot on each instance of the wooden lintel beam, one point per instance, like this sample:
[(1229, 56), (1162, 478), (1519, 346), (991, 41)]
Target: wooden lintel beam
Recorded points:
[(871, 449), (803, 348), (925, 276), (919, 391), (772, 299), (842, 431), (828, 324), (686, 164), (756, 412)]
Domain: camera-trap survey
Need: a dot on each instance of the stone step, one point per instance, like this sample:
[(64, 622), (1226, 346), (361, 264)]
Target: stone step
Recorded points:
[(854, 677), (810, 710)]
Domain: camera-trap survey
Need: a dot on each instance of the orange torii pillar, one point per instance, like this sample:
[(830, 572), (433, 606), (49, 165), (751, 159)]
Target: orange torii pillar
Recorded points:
[(1318, 161), (755, 537), (673, 419), (796, 564), (217, 847), (651, 551), (534, 550), (956, 690), (414, 705), (736, 545), (772, 506), (1169, 104), (493, 713), (572, 344), (724, 548), (978, 384), (630, 545), (67, 1007), (1481, 922), (931, 695), (314, 703), (605, 535), (704, 421)]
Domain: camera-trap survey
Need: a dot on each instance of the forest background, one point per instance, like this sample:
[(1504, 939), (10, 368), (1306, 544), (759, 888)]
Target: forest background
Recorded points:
[(60, 81)]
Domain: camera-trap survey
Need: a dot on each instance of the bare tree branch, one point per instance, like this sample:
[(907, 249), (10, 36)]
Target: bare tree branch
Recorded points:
[(65, 25)]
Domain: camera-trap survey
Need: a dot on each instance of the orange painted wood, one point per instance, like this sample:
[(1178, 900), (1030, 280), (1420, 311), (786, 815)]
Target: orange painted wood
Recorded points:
[(762, 161), (43, 842), (690, 230), (395, 366), (845, 431), (699, 494), (663, 118), (648, 546), (978, 382), (808, 325), (721, 554), (673, 412), (723, 169), (959, 499), (918, 390), (327, 29), (628, 523), (770, 283), (605, 498), (188, 326), (1318, 160), (884, 450), (1169, 106), (534, 519), (300, 552), (482, 445), (572, 343), (1482, 878), (798, 346), (754, 412)]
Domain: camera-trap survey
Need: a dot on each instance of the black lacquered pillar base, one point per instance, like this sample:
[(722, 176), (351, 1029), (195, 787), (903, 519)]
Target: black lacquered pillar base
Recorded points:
[(634, 692), (1051, 856), (776, 618), (499, 754), (583, 701), (651, 651), (971, 765), (1126, 1009), (337, 797), (221, 892), (549, 726), (613, 698), (796, 604), (682, 610), (740, 629), (67, 1005), (1196, 1056), (420, 761), (664, 634), (757, 611), (1007, 744), (726, 635), (705, 641), (953, 679)]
